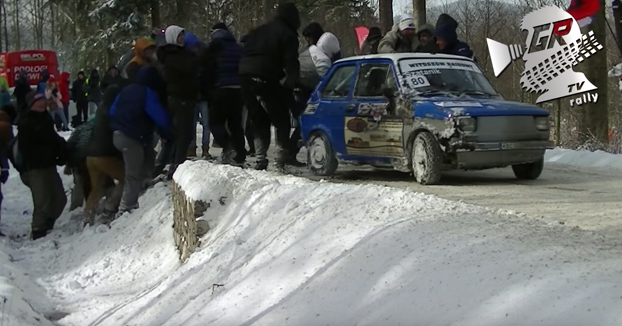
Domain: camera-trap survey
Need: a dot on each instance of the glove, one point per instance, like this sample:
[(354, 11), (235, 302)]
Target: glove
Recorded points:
[(4, 176)]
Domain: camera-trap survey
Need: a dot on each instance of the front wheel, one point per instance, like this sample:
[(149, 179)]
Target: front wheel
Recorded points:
[(528, 171), (426, 159), (321, 158)]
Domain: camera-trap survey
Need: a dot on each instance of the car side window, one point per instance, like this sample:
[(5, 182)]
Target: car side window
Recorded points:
[(373, 79), (339, 83)]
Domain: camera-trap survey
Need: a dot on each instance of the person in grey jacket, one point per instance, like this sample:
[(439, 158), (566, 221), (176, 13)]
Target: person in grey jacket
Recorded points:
[(401, 39)]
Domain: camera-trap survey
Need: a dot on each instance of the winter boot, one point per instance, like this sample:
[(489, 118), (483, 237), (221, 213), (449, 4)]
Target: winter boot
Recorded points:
[(39, 234), (192, 152), (261, 165), (206, 155)]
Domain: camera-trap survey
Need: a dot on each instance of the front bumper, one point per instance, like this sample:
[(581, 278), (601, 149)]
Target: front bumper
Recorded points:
[(473, 155)]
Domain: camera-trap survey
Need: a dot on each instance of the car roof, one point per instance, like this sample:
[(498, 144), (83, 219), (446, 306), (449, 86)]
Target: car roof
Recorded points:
[(395, 57)]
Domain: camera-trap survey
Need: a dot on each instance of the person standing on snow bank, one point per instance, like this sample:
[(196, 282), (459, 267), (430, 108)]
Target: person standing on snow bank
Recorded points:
[(45, 75), (55, 105), (134, 116), (447, 38), (201, 113), (80, 98), (269, 72), (93, 92), (22, 88), (63, 87), (35, 155), (225, 95), (400, 39), (144, 55), (181, 75), (248, 125)]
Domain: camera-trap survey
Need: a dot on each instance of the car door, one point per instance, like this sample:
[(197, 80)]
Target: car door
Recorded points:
[(369, 131), (335, 99)]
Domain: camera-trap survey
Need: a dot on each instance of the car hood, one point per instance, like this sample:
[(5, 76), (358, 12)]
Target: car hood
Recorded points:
[(444, 107)]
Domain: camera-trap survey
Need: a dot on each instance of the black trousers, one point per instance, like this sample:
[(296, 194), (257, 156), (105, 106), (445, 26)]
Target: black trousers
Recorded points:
[(225, 112), (82, 108), (300, 103), (268, 104)]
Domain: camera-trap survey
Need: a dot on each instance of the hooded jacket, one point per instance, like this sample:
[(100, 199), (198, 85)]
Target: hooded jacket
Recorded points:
[(92, 87), (327, 48), (394, 42), (139, 60), (110, 80), (226, 54), (63, 87), (77, 89), (181, 69), (271, 51), (137, 111), (446, 28)]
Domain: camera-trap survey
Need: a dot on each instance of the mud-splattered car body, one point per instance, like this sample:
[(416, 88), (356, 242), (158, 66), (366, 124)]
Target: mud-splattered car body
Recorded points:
[(446, 97)]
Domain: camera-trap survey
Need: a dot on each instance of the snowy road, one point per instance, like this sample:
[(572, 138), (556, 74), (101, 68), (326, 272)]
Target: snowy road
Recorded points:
[(586, 197)]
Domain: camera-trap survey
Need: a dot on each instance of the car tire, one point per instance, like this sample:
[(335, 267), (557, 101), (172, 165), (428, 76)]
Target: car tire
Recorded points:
[(426, 159), (321, 158), (529, 171)]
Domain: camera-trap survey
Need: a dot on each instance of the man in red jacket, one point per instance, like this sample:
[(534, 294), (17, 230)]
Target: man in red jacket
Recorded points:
[(63, 87)]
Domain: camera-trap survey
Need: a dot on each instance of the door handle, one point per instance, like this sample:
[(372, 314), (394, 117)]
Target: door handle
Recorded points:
[(350, 107)]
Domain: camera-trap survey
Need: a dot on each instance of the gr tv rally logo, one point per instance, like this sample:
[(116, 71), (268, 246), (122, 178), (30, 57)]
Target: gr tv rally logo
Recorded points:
[(553, 47)]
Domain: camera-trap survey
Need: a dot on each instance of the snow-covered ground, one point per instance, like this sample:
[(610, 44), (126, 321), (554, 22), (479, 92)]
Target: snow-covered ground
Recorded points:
[(289, 251), (598, 159)]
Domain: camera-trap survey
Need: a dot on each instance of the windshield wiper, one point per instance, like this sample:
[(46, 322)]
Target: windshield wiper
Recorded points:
[(434, 92), (475, 92)]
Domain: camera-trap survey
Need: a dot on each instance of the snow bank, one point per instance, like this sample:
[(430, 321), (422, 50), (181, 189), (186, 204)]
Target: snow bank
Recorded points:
[(597, 159), (287, 251)]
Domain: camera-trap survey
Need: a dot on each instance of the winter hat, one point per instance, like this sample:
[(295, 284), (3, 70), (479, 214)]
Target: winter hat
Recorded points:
[(407, 22), (425, 28), (191, 41), (220, 26), (374, 32), (314, 30), (446, 28), (172, 33), (288, 12)]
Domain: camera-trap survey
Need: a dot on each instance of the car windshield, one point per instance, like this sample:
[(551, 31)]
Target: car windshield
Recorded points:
[(445, 76)]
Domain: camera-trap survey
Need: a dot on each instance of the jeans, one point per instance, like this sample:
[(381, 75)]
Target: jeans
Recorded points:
[(93, 106), (61, 115), (138, 160), (201, 115)]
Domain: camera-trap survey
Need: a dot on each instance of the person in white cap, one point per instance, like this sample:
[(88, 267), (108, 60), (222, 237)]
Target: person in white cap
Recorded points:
[(402, 38)]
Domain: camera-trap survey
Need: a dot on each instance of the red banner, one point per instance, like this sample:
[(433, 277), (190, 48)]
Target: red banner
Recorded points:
[(361, 35)]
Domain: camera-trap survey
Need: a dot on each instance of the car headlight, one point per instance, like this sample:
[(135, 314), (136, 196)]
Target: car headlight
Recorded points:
[(467, 124), (542, 123)]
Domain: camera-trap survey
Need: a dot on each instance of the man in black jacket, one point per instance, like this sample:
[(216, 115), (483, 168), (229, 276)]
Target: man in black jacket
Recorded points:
[(41, 149), (181, 74), (79, 97), (270, 57)]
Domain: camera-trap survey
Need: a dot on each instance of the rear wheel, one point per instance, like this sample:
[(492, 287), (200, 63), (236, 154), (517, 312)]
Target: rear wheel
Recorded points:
[(321, 158), (529, 171), (426, 159)]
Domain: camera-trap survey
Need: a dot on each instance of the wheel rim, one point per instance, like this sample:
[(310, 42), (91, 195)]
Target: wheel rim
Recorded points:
[(418, 160), (317, 153)]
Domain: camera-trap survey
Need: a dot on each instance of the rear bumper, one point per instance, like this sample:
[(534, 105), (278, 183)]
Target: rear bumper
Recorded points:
[(473, 155)]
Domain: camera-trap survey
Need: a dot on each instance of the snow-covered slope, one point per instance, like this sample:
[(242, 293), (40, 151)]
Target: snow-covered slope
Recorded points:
[(288, 251)]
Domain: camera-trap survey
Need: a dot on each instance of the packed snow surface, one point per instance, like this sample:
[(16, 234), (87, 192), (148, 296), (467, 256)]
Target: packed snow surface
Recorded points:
[(288, 251)]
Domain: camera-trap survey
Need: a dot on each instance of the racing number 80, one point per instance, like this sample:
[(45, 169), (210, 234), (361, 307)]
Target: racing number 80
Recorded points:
[(419, 81)]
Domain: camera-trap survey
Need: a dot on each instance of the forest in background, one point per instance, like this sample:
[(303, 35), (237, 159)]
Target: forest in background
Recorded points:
[(90, 34)]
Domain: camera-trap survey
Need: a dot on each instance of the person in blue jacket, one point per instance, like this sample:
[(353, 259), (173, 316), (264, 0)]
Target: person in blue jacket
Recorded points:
[(45, 76), (135, 115), (447, 38)]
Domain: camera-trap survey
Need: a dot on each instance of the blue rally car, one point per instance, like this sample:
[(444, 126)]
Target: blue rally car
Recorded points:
[(420, 113)]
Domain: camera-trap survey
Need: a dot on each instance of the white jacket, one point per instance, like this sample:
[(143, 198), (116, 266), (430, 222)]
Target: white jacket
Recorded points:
[(327, 46)]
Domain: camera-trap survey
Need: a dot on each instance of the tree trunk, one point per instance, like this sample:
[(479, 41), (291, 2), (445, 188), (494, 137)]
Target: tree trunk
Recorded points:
[(183, 17), (419, 12), (155, 14), (386, 15), (268, 5), (617, 20), (16, 27), (597, 113)]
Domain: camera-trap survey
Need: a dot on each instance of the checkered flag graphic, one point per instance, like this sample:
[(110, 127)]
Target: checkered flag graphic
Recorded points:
[(569, 56)]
